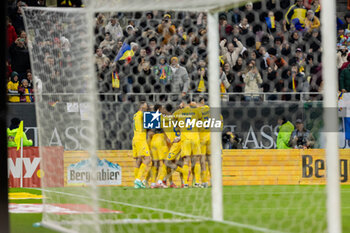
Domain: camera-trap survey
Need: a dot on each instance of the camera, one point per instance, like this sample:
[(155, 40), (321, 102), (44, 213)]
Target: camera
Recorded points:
[(301, 141)]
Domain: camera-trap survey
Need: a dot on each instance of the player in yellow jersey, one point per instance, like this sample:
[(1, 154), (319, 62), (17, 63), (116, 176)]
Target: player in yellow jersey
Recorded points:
[(159, 149), (172, 160), (190, 142), (204, 135), (205, 140), (140, 149)]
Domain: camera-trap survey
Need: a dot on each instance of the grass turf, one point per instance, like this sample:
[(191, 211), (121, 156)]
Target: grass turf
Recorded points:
[(280, 208)]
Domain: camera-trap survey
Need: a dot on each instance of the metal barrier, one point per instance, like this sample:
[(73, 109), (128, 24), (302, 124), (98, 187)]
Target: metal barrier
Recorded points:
[(155, 97)]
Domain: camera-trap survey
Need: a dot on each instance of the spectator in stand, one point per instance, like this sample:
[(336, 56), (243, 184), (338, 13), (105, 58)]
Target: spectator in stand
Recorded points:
[(224, 85), (107, 44), (252, 79), (347, 21), (163, 71), (114, 28), (225, 29), (316, 7), (311, 22), (274, 61), (30, 79), (166, 29), (179, 77), (344, 82), (12, 132), (12, 87), (244, 26), (11, 32), (25, 92), (342, 56), (17, 18), (298, 81), (296, 14), (301, 138), (8, 70), (100, 21), (20, 57), (102, 61), (232, 51)]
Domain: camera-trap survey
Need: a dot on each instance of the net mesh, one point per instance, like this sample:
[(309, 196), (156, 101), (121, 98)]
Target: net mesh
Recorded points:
[(90, 109)]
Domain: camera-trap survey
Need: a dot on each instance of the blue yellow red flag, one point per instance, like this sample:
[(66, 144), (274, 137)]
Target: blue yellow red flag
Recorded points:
[(125, 53), (270, 21)]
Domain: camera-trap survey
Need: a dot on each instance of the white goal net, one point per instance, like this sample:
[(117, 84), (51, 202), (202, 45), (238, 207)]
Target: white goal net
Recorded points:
[(105, 71)]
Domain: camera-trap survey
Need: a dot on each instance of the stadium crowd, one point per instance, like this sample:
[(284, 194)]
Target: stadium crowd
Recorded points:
[(266, 46)]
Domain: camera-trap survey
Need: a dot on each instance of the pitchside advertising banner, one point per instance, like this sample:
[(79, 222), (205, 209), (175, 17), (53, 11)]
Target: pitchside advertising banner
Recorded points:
[(240, 167), (32, 169), (116, 167)]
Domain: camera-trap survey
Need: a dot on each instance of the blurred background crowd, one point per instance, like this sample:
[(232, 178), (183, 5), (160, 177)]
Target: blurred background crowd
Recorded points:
[(268, 46)]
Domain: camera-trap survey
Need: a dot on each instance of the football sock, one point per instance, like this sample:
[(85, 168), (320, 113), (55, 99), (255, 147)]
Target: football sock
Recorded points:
[(136, 172), (153, 172), (141, 171), (185, 170), (204, 175), (197, 172)]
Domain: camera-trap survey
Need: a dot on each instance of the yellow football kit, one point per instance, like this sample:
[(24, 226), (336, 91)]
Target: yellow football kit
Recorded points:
[(204, 132), (139, 142), (186, 119)]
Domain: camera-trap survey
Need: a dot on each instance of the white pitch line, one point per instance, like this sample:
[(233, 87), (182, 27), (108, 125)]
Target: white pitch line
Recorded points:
[(231, 223), (128, 221)]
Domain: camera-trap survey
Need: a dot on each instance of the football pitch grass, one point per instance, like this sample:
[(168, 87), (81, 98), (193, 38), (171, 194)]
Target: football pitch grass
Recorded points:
[(246, 209)]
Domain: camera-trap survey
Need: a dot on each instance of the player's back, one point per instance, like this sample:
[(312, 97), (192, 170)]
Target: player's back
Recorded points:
[(187, 119), (139, 130)]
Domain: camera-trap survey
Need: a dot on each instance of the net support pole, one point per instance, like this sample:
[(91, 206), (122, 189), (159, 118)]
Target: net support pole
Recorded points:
[(330, 77), (214, 103), (21, 162)]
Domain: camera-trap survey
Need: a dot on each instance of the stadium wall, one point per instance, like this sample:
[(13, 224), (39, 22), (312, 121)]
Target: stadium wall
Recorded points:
[(240, 167), (115, 133)]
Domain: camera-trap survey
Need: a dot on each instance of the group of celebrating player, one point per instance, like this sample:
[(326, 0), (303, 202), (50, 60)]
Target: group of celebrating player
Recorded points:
[(181, 148)]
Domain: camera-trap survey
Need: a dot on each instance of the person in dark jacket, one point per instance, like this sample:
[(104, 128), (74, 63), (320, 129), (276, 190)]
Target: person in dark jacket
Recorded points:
[(344, 82), (20, 57)]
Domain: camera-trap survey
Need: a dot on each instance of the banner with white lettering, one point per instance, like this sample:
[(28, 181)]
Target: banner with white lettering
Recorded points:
[(31, 170)]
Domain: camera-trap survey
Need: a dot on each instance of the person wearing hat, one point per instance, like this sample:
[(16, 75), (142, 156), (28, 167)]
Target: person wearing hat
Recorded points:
[(311, 21), (301, 138), (12, 87), (180, 81), (285, 130), (11, 134), (166, 28)]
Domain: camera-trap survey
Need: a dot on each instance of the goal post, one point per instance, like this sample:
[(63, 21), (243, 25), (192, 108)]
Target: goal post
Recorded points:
[(71, 114), (329, 71)]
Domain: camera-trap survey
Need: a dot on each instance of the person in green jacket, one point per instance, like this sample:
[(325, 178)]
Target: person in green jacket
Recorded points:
[(285, 130), (11, 134), (344, 82)]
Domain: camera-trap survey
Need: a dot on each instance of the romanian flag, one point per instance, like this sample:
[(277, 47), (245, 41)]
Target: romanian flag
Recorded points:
[(115, 80), (270, 21), (125, 53), (19, 135)]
